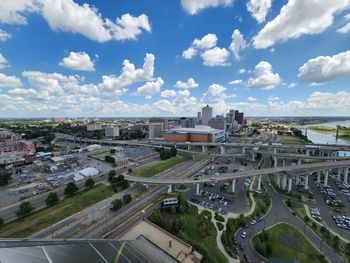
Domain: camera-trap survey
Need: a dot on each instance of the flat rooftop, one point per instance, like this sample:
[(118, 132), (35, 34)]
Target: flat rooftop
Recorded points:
[(197, 129), (177, 248)]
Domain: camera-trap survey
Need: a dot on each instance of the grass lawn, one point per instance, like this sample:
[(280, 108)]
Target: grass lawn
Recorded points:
[(207, 245), (323, 232), (289, 139), (48, 216), (159, 166), (306, 252), (100, 156)]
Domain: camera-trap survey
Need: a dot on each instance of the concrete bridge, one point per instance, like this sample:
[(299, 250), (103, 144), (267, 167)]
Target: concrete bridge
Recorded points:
[(288, 173)]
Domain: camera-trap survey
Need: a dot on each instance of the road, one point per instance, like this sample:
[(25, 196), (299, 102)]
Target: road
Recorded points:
[(38, 201), (296, 169), (279, 213), (106, 219)]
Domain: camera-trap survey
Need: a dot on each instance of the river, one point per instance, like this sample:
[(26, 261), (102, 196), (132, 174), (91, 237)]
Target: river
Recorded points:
[(317, 137)]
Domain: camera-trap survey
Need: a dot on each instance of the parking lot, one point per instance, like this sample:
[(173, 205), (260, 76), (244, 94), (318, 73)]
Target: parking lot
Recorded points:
[(217, 196)]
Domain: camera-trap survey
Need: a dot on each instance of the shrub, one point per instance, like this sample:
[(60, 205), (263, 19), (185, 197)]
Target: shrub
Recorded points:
[(70, 189), (52, 199), (89, 183), (127, 199), (116, 205), (25, 208), (220, 225)]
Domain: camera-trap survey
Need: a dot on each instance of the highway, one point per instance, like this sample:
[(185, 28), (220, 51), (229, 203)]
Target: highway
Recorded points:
[(303, 156), (277, 214), (107, 220), (296, 169), (331, 147), (38, 201)]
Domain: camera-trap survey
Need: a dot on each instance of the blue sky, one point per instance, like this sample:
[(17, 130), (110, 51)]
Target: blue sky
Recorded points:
[(169, 58)]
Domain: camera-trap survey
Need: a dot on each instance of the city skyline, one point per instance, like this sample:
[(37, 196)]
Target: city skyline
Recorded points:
[(150, 58)]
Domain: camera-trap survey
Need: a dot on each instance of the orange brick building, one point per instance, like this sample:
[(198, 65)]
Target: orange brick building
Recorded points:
[(197, 134)]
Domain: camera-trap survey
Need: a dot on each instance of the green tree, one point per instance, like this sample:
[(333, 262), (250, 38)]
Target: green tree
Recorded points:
[(336, 241), (157, 218), (113, 151), (70, 189), (116, 204), (127, 199), (52, 199), (111, 175), (164, 154), (1, 222), (173, 151), (24, 209), (89, 183), (5, 176)]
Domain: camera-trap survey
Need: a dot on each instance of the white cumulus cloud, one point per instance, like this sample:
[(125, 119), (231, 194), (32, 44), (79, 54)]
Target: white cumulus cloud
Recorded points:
[(3, 62), (9, 82), (324, 68), (14, 11), (191, 83), (236, 82), (189, 53), (4, 36), (206, 42), (297, 18), (215, 57), (238, 43), (264, 77), (129, 27), (259, 9), (78, 61), (194, 6), (150, 88)]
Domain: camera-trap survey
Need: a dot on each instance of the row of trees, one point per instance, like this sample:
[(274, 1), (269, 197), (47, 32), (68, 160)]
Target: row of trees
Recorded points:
[(26, 207), (118, 203)]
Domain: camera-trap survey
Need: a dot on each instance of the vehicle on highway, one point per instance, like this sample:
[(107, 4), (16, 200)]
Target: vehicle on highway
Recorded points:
[(244, 234)]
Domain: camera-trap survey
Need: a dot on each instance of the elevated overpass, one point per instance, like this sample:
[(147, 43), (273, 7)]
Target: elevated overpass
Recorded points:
[(296, 169)]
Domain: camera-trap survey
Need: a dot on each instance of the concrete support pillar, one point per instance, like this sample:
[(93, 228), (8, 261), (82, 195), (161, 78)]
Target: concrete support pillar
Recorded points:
[(197, 189), (259, 182), (274, 150), (318, 177), (290, 184), (306, 182), (339, 174), (188, 147), (204, 148), (346, 173), (233, 185), (253, 156), (283, 162), (284, 182), (222, 149), (278, 181), (299, 161), (275, 161), (325, 183), (243, 150), (307, 152), (170, 189)]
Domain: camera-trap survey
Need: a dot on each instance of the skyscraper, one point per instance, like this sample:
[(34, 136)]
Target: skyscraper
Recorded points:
[(207, 114)]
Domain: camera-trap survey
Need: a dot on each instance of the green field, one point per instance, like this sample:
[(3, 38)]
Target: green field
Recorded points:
[(294, 244), (289, 139), (342, 133), (49, 216), (159, 166)]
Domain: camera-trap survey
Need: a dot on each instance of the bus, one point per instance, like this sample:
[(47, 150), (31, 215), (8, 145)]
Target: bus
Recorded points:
[(170, 202)]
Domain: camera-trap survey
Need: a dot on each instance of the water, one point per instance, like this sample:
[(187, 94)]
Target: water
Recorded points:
[(317, 137)]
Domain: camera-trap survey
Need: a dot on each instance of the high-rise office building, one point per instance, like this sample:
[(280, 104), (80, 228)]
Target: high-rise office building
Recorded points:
[(207, 114)]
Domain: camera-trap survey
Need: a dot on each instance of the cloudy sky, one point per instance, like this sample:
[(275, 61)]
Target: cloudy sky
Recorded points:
[(169, 58)]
